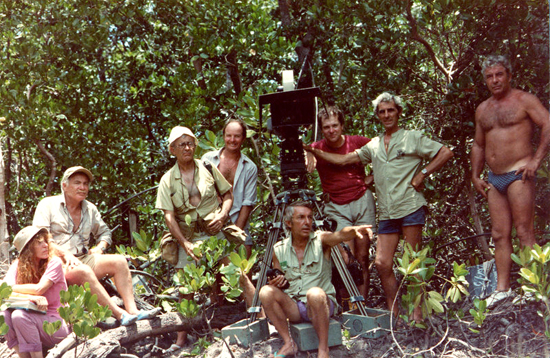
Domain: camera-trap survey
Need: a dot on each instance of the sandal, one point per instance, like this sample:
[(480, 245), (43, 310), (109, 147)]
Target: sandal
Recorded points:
[(173, 348)]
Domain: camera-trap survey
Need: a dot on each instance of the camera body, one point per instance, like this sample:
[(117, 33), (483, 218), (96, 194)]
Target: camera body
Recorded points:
[(274, 272), (291, 110)]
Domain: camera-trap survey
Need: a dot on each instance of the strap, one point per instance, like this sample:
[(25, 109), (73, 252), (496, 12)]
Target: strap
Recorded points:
[(208, 166)]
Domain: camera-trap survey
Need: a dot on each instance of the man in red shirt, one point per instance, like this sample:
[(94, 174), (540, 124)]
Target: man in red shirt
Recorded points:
[(346, 188)]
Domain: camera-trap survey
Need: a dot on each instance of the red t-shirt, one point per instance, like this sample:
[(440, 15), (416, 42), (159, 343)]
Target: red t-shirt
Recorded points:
[(345, 183)]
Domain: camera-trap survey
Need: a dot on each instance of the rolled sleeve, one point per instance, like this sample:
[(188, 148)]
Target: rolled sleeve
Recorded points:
[(364, 154), (41, 217), (426, 147), (250, 187), (164, 201), (100, 230)]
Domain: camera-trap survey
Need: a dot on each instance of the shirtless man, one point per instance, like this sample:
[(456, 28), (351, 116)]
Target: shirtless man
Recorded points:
[(504, 129), (240, 172)]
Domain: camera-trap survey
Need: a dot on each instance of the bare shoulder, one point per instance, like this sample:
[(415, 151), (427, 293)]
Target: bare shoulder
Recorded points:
[(525, 98), (482, 108)]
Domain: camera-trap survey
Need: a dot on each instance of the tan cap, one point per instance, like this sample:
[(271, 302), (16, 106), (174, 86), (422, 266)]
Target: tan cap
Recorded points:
[(178, 131), (24, 236), (78, 169)]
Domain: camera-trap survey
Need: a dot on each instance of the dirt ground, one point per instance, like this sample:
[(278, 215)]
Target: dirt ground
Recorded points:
[(510, 330)]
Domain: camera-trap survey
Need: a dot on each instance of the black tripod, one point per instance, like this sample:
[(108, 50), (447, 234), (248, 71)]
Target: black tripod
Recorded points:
[(320, 222)]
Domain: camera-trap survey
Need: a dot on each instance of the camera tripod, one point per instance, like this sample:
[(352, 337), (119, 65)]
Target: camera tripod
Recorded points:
[(320, 222)]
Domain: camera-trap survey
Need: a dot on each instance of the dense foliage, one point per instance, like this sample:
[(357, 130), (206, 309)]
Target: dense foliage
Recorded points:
[(100, 83)]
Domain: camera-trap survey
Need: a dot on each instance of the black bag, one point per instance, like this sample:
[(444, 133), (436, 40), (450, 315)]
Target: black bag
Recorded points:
[(354, 267)]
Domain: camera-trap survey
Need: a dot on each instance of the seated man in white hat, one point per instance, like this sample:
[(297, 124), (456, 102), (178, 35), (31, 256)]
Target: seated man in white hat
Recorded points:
[(72, 220)]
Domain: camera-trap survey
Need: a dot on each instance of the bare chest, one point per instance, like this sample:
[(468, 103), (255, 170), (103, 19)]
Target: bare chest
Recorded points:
[(300, 256), (228, 168), (502, 116), (76, 217), (189, 181)]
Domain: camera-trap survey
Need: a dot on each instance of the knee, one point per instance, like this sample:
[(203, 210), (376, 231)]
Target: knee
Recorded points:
[(526, 233), (267, 293), (383, 266), (316, 295), (80, 274), (19, 319), (119, 262)]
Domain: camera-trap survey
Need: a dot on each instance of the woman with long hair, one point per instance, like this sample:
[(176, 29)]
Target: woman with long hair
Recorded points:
[(36, 272)]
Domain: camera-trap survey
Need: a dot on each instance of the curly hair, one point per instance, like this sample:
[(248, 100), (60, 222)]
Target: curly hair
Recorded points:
[(27, 271)]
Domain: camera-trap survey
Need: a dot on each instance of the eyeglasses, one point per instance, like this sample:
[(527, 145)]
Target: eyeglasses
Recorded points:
[(189, 145)]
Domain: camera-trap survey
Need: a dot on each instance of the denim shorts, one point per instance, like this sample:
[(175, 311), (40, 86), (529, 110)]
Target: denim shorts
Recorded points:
[(393, 226)]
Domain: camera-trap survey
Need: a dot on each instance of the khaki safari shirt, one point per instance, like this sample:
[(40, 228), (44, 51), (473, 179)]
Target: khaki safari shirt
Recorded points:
[(52, 213), (315, 271), (395, 169), (173, 195)]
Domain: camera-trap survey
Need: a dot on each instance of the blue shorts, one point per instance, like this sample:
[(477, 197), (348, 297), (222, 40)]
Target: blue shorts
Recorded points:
[(393, 226), (303, 310)]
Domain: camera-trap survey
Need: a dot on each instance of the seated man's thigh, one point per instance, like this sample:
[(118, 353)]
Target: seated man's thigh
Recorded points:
[(274, 297), (80, 274)]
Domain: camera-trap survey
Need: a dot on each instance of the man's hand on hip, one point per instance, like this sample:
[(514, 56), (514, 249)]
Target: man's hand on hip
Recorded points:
[(528, 171)]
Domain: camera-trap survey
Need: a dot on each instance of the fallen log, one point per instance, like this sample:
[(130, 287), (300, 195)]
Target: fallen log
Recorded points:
[(109, 342)]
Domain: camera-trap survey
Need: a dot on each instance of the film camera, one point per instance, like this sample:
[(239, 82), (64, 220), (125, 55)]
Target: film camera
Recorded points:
[(291, 110)]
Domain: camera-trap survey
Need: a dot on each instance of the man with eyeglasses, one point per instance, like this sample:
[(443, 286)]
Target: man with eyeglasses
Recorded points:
[(73, 221), (188, 189)]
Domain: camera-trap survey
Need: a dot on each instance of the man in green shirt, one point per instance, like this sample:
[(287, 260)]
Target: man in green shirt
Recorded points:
[(189, 189), (397, 157), (304, 258)]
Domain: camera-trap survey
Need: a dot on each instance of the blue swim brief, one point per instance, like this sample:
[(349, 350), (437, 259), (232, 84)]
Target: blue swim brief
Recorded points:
[(503, 181)]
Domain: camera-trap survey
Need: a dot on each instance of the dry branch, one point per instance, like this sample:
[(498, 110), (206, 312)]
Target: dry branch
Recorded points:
[(110, 341)]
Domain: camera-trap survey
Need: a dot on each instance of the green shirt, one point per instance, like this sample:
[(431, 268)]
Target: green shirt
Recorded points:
[(394, 170), (173, 195), (315, 271)]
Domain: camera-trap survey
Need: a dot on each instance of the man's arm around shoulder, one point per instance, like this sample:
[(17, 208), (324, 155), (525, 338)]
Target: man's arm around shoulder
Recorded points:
[(339, 159)]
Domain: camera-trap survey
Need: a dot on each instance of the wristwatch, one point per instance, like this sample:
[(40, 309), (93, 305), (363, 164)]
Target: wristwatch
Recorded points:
[(424, 171), (103, 249)]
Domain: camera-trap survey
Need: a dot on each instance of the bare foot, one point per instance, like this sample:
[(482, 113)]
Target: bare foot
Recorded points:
[(417, 315), (287, 349), (323, 354)]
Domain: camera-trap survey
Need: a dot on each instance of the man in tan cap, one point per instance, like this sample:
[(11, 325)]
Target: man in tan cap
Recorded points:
[(72, 220), (189, 189)]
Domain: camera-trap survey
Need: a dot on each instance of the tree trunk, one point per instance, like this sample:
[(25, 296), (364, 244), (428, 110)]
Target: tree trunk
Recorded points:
[(4, 243), (233, 71), (482, 241)]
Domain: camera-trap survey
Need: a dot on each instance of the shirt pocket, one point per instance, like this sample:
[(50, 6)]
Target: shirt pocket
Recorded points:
[(179, 204)]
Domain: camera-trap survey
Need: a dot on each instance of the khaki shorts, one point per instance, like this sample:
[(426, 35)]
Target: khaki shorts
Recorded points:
[(358, 212), (182, 254), (88, 259)]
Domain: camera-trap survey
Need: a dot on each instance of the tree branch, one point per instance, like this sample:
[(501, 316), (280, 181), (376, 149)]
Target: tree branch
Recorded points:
[(53, 164), (111, 340), (416, 36)]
